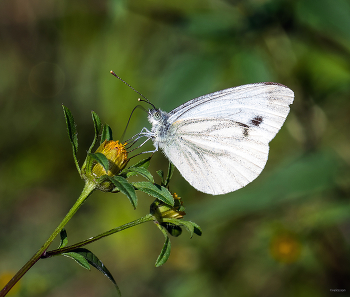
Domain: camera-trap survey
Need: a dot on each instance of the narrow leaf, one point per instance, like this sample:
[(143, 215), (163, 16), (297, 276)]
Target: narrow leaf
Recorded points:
[(170, 174), (97, 127), (189, 226), (165, 253), (64, 238), (126, 188), (106, 133), (155, 190), (161, 174), (101, 159), (78, 258), (95, 262), (72, 133), (140, 171), (197, 229), (143, 163), (71, 127)]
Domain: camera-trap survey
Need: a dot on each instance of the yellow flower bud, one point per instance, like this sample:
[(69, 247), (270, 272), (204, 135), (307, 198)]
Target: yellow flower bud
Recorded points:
[(117, 157)]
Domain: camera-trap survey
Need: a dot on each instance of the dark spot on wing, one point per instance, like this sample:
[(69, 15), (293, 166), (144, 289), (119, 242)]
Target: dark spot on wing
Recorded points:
[(256, 121), (245, 132), (242, 125), (245, 129)]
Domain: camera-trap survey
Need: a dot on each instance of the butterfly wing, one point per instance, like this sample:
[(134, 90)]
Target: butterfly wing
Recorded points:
[(219, 142)]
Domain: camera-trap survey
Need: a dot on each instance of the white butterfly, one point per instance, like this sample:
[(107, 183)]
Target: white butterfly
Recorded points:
[(220, 142)]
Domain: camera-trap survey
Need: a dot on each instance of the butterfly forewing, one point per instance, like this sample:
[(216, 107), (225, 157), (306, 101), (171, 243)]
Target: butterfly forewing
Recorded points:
[(263, 104)]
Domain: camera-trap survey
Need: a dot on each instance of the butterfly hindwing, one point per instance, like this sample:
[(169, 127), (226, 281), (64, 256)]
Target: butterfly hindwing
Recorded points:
[(216, 156)]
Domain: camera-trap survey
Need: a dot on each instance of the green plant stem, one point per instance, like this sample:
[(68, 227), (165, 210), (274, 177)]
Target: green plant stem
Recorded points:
[(88, 189), (67, 249)]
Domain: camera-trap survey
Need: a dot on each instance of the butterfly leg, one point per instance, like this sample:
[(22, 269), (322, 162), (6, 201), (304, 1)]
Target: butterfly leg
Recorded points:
[(148, 138), (144, 133), (146, 152)]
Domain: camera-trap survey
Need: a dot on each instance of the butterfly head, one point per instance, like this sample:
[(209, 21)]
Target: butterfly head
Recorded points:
[(157, 116), (159, 121)]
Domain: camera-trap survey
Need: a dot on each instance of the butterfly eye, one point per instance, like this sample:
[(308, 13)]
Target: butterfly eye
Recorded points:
[(157, 115)]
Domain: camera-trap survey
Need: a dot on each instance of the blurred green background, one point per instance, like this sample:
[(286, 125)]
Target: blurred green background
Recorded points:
[(285, 234)]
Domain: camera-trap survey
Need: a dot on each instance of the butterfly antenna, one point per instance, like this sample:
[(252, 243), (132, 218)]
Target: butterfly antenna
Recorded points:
[(146, 100), (127, 124)]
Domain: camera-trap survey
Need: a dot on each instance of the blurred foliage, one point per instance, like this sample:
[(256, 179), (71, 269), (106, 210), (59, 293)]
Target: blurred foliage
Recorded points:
[(285, 234)]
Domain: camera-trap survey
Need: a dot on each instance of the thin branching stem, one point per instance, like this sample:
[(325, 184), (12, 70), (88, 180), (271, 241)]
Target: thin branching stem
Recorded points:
[(67, 249), (88, 189)]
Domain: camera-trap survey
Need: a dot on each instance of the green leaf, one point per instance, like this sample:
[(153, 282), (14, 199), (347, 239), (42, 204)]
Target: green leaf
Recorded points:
[(97, 126), (165, 253), (122, 185), (78, 258), (173, 230), (197, 229), (161, 174), (139, 171), (191, 227), (155, 190), (143, 163), (106, 133), (72, 133), (71, 127), (170, 174), (90, 258), (101, 159), (64, 238)]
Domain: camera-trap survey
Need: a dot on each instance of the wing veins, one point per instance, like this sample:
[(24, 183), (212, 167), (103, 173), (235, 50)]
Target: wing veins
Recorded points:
[(234, 173), (205, 177), (224, 152)]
